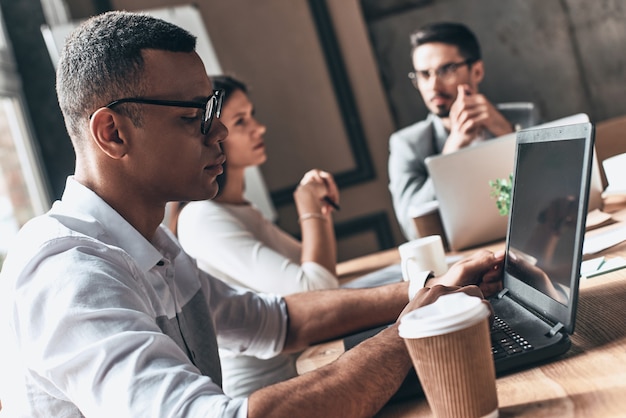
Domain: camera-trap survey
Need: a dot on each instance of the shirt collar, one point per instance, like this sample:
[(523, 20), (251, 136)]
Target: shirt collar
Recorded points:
[(91, 215), (439, 131)]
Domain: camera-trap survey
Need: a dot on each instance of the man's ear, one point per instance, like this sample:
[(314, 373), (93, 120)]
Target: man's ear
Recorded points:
[(478, 72), (106, 129)]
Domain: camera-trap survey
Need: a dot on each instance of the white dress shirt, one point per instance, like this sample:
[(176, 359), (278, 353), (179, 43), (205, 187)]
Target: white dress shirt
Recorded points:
[(96, 321), (237, 244)]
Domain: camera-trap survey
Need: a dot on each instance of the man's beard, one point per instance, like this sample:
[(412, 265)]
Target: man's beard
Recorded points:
[(442, 111)]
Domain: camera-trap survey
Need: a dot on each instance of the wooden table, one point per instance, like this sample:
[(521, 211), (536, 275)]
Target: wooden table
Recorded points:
[(588, 381)]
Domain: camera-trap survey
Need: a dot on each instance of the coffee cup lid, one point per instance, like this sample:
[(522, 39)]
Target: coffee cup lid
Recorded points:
[(449, 313)]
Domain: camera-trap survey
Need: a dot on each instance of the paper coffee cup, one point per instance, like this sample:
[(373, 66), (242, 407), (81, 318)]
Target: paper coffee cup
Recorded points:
[(422, 254), (450, 347)]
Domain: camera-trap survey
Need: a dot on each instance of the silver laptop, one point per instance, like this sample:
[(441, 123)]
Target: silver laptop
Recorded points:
[(461, 179)]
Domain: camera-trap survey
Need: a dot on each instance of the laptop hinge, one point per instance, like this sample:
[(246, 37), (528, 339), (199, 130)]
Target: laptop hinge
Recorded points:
[(555, 329), (502, 293)]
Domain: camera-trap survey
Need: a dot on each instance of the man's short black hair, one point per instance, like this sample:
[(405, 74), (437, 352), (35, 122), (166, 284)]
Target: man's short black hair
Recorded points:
[(102, 61), (449, 33)]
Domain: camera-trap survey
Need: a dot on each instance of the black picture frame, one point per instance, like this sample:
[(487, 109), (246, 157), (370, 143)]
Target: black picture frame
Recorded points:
[(364, 169)]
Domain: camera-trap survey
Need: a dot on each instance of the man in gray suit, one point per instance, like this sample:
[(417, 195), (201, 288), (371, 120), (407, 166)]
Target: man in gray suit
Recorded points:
[(448, 70)]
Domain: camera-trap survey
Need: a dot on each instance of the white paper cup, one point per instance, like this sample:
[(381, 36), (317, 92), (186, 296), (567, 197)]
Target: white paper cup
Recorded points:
[(422, 254), (450, 347)]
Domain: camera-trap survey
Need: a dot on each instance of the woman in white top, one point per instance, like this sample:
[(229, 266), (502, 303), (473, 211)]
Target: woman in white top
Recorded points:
[(231, 239)]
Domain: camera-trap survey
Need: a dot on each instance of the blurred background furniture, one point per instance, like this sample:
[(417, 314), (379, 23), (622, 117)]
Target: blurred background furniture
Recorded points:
[(522, 115), (610, 140)]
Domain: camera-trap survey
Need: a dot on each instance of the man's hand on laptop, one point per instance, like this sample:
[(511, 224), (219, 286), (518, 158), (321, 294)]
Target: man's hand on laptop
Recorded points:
[(483, 268), (428, 295)]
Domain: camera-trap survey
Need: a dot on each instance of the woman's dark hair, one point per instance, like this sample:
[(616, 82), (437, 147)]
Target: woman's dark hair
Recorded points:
[(229, 85)]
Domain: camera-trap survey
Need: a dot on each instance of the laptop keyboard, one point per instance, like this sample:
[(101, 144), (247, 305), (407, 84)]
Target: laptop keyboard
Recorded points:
[(506, 342)]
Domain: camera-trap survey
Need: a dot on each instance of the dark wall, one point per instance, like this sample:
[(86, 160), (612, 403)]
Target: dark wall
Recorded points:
[(566, 56)]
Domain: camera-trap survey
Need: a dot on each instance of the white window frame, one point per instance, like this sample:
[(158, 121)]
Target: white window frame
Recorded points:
[(20, 126)]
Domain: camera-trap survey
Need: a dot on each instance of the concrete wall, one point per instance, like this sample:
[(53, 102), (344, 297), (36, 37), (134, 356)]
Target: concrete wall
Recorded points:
[(567, 56)]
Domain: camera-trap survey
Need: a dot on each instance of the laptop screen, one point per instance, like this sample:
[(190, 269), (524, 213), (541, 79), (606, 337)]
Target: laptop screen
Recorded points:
[(548, 214)]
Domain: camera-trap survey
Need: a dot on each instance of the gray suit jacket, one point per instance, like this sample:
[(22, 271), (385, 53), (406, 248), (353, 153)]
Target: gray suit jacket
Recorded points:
[(409, 182)]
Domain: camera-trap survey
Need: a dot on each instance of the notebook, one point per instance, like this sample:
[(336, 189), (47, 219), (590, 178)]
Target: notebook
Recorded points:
[(536, 310), (461, 179)]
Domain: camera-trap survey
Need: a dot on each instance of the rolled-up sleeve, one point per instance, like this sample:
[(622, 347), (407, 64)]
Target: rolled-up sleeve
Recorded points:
[(248, 322)]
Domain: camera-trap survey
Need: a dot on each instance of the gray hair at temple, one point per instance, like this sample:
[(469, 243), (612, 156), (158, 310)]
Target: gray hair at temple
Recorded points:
[(449, 33), (102, 61)]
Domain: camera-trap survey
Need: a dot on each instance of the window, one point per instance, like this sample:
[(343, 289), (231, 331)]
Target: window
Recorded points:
[(22, 191)]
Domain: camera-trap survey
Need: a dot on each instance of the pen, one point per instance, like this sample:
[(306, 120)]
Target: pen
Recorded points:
[(331, 203)]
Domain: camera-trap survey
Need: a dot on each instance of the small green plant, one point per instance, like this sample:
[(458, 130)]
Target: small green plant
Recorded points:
[(501, 191)]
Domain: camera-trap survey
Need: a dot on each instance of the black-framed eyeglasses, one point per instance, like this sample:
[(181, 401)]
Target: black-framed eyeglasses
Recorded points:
[(445, 73), (212, 106)]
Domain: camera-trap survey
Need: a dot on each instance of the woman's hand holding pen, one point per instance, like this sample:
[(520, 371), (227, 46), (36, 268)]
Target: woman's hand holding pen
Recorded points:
[(317, 192), (312, 198)]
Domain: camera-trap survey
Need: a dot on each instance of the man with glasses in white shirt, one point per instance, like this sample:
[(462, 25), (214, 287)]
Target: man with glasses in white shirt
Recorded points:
[(448, 69)]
